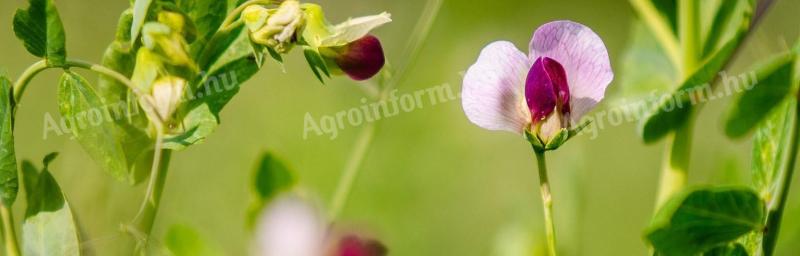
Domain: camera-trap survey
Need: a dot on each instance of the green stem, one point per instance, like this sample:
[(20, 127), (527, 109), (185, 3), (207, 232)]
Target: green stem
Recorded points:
[(547, 203), (365, 138), (26, 77), (777, 207), (143, 222), (9, 235), (675, 170), (351, 169)]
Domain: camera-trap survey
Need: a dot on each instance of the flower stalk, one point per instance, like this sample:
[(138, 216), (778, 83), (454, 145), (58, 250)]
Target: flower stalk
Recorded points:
[(547, 202), (9, 234)]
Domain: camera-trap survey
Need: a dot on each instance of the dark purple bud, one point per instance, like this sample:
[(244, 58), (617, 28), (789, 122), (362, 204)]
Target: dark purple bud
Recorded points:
[(546, 88), (352, 245), (361, 59)]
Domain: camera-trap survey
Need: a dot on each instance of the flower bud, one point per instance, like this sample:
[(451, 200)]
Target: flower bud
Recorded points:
[(276, 30), (352, 245), (360, 59), (166, 95)]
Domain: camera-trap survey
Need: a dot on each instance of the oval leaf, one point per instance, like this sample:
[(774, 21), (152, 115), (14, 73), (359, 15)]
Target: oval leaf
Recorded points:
[(9, 183), (701, 219), (49, 227), (773, 84), (40, 29), (272, 176), (769, 143), (90, 122)]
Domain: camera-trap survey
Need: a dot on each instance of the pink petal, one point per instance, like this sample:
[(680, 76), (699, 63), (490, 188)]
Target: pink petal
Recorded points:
[(584, 57), (493, 91)]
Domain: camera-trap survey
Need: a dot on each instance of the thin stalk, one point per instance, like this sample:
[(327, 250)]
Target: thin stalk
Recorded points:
[(143, 222), (9, 235), (675, 170), (777, 206), (547, 203), (365, 138), (350, 173), (26, 77)]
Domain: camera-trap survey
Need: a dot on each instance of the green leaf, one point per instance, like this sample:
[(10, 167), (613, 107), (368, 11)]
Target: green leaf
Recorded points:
[(49, 227), (769, 143), (91, 124), (202, 114), (701, 219), (9, 183), (317, 64), (140, 10), (207, 16), (674, 109), (182, 240), (721, 20), (272, 177), (773, 85), (40, 29), (736, 249)]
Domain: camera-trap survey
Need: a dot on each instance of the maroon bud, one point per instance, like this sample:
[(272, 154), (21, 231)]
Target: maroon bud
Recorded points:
[(352, 245), (546, 88), (361, 59)]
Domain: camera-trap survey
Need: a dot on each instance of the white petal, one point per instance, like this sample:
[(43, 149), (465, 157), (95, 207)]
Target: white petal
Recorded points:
[(355, 29), (493, 94), (584, 57), (290, 227)]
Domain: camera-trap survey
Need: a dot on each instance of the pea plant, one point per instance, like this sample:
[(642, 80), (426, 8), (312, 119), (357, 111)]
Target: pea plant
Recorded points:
[(680, 52), (177, 61)]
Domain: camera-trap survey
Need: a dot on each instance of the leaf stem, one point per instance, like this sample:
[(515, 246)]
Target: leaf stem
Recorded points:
[(547, 203), (350, 173), (9, 234), (675, 169), (392, 79), (778, 204), (22, 83)]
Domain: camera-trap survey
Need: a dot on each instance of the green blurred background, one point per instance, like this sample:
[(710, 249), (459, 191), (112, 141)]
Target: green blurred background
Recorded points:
[(433, 183)]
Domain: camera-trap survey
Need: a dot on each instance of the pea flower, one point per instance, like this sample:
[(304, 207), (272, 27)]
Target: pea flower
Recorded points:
[(290, 226), (347, 47), (163, 66), (544, 94), (274, 28)]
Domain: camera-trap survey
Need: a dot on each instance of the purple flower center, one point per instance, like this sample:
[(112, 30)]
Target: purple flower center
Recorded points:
[(546, 89)]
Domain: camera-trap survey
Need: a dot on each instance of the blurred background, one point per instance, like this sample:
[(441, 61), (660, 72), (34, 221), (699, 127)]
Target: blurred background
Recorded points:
[(433, 183)]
